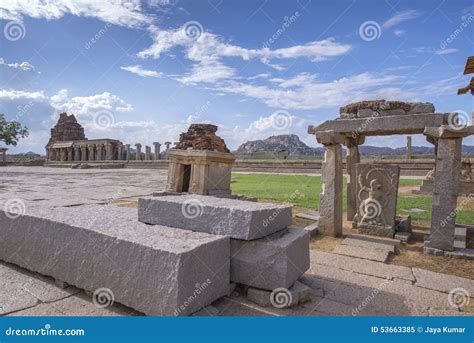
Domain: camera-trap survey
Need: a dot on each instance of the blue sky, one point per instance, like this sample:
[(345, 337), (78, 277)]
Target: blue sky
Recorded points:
[(143, 71)]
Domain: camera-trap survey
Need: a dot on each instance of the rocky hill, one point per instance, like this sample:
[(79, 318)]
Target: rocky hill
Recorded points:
[(294, 147)]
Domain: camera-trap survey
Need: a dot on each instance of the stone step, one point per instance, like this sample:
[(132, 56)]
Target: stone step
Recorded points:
[(360, 252), (311, 215), (152, 269), (275, 261), (375, 239), (368, 244), (238, 219)]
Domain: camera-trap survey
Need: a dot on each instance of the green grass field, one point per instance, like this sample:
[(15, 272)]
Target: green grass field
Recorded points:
[(303, 191)]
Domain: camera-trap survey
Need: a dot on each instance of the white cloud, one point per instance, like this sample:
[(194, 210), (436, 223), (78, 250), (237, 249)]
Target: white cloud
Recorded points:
[(209, 50), (10, 94), (400, 17), (303, 92), (23, 66), (88, 105), (123, 13), (446, 51), (399, 32), (138, 70)]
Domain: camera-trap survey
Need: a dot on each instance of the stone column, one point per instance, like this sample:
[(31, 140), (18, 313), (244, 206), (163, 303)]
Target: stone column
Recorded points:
[(77, 153), (4, 156), (167, 144), (69, 154), (83, 152), (409, 148), (352, 158), (47, 153), (157, 150), (330, 204), (98, 153), (127, 152), (120, 152), (91, 152), (445, 192), (108, 151), (147, 152), (138, 156)]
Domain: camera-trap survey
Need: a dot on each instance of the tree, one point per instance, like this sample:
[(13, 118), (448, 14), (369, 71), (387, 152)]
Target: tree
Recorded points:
[(11, 131)]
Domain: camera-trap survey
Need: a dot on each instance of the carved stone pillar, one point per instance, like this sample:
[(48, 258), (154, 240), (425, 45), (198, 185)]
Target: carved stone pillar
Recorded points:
[(77, 153), (83, 152), (409, 148), (138, 156), (91, 152), (69, 152), (147, 153), (157, 150), (352, 158), (445, 192), (330, 205), (98, 155), (167, 144), (108, 151), (127, 152), (120, 152)]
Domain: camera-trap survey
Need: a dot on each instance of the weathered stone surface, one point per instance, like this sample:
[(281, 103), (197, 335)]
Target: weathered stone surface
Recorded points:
[(362, 252), (271, 262), (79, 305), (298, 293), (313, 229), (445, 194), (388, 125), (238, 219), (201, 137), (369, 245), (155, 270), (330, 203), (377, 187), (384, 107), (67, 129), (442, 282), (365, 267)]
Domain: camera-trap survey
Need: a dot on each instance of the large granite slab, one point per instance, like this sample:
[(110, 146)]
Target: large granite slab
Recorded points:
[(238, 219), (156, 270), (271, 262)]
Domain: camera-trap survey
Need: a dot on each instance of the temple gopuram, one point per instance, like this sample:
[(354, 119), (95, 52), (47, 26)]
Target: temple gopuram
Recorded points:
[(68, 143)]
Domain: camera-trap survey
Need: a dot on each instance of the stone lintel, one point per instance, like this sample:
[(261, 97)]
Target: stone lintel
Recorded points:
[(352, 142), (329, 137), (448, 131), (194, 156), (383, 125)]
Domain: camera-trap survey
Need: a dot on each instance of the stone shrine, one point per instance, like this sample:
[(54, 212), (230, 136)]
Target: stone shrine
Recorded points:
[(200, 163)]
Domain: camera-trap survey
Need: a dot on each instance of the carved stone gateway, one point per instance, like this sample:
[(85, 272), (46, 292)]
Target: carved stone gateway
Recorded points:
[(377, 187), (200, 163)]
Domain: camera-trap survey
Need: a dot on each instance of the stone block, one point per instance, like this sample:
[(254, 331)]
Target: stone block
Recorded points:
[(403, 224), (220, 216), (362, 252), (297, 294), (421, 107), (271, 262), (156, 270), (377, 187), (369, 245)]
